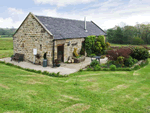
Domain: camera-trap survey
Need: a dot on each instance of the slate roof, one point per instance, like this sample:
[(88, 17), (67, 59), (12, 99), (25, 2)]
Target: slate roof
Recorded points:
[(67, 28)]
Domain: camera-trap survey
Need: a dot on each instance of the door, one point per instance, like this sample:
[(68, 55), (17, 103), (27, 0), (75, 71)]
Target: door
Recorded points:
[(60, 53)]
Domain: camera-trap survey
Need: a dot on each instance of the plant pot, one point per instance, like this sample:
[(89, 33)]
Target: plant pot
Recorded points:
[(57, 65), (45, 63)]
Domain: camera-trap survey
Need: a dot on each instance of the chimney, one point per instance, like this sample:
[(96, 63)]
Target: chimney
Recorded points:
[(85, 24)]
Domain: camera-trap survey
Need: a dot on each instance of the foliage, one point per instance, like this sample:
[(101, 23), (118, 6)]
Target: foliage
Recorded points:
[(75, 52), (97, 68), (92, 55), (139, 53), (107, 44), (100, 44), (95, 45), (126, 34), (82, 52), (120, 60), (89, 69), (114, 54), (94, 63), (136, 67), (7, 32), (112, 67), (89, 44), (130, 61), (98, 47), (137, 41)]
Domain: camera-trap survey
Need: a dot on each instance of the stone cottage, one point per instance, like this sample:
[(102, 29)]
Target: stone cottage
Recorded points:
[(54, 36)]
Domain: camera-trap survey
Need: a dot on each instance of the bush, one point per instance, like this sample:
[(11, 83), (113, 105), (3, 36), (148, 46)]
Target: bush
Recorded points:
[(107, 44), (112, 67), (89, 44), (94, 63), (136, 67), (106, 69), (92, 55), (89, 69), (139, 53), (82, 52), (80, 70), (97, 68), (114, 54), (137, 41), (129, 62)]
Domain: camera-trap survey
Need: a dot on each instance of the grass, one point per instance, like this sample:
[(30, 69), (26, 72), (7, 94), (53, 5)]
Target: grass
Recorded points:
[(6, 43), (119, 45), (6, 53), (87, 91)]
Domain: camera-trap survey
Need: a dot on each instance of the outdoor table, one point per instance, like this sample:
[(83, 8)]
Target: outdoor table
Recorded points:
[(97, 58)]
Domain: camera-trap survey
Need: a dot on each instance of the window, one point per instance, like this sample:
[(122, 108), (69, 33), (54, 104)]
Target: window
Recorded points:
[(40, 46)]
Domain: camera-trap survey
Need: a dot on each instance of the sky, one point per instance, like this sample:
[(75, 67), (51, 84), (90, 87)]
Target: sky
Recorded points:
[(105, 13)]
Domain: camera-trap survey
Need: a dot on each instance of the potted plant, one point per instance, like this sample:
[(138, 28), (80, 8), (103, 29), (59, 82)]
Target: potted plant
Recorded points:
[(45, 60), (57, 63)]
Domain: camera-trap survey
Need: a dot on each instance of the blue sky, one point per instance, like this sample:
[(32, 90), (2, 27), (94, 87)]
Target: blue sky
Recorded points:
[(105, 13)]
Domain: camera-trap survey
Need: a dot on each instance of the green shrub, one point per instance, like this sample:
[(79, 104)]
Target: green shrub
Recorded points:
[(89, 69), (137, 41), (112, 67), (129, 62), (89, 44), (94, 63), (80, 70), (139, 53), (106, 69), (136, 67), (123, 69), (39, 72), (92, 55), (97, 68)]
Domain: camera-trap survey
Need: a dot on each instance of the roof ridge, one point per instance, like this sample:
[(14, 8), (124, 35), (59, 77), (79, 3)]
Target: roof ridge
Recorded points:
[(62, 18)]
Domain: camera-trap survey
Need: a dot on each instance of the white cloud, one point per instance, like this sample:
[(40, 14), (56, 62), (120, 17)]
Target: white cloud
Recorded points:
[(106, 14), (8, 23), (15, 11), (60, 3)]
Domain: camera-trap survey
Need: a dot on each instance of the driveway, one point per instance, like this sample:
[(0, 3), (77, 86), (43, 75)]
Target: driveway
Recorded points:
[(63, 69)]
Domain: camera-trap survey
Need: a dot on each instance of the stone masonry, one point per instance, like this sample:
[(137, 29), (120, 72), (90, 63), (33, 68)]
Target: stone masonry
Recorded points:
[(32, 35)]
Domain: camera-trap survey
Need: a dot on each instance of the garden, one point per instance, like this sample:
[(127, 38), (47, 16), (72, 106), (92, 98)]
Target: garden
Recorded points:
[(120, 58)]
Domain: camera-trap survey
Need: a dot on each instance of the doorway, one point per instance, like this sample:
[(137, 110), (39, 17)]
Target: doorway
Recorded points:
[(60, 53)]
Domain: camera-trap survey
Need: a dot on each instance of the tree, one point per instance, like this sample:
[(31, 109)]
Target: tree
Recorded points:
[(119, 36)]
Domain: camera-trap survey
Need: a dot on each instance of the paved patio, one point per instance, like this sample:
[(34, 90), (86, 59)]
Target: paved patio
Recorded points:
[(63, 69)]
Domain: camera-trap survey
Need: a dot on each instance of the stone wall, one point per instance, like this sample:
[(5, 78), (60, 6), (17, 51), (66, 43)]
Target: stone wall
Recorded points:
[(68, 50), (32, 35)]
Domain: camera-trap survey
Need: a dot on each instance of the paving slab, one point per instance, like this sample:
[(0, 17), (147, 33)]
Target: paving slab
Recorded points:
[(64, 69)]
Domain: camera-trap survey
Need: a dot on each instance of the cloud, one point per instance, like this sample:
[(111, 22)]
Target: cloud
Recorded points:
[(106, 14), (61, 3), (8, 23), (15, 11)]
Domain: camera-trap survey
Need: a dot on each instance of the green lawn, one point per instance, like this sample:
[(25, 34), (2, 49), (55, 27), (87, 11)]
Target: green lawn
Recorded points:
[(124, 45), (95, 92), (6, 43), (6, 53)]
